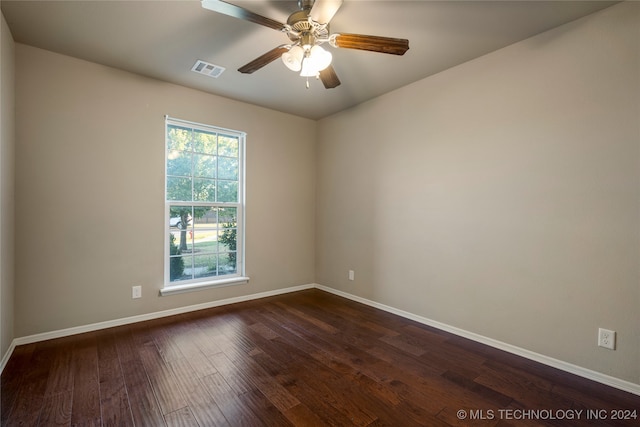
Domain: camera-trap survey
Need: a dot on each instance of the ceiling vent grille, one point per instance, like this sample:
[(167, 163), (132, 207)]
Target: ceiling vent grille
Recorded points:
[(207, 69)]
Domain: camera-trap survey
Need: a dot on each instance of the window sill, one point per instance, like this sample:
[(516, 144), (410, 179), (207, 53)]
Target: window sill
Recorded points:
[(192, 287)]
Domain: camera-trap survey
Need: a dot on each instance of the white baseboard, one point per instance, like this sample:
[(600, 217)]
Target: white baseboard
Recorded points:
[(7, 355), (540, 358), (545, 360)]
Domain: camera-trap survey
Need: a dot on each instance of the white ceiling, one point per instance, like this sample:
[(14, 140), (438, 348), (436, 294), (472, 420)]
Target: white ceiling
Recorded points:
[(163, 39)]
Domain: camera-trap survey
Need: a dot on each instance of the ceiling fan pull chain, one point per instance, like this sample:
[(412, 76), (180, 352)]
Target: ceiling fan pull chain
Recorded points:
[(307, 82)]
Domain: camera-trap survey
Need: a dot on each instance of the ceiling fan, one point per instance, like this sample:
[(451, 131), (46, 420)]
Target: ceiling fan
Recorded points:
[(307, 29)]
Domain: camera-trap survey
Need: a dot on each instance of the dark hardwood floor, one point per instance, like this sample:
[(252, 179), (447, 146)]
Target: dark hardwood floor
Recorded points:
[(306, 359)]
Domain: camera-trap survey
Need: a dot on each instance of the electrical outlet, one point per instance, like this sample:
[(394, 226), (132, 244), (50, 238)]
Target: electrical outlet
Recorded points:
[(607, 339), (352, 275), (136, 292)]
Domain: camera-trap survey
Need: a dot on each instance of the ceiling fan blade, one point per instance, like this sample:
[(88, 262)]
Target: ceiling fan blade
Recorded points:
[(324, 10), (241, 13), (329, 77), (263, 60), (372, 43)]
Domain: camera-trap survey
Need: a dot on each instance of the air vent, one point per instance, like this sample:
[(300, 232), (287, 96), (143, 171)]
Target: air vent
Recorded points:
[(207, 69)]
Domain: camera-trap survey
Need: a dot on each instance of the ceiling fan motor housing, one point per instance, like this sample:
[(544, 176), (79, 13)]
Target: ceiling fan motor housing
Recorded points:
[(302, 28), (299, 20)]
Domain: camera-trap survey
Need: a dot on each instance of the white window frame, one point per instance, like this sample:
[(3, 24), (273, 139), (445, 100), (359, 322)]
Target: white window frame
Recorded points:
[(239, 277)]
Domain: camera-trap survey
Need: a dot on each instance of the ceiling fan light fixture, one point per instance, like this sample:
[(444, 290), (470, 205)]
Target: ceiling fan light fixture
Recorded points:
[(320, 57), (315, 60), (293, 58), (308, 70)]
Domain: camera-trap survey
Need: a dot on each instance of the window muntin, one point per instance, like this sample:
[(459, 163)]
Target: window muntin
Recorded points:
[(204, 203)]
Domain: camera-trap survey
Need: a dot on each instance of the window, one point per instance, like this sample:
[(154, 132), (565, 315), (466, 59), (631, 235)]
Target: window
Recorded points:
[(204, 206)]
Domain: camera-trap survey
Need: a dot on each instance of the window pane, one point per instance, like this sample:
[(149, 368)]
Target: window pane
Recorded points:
[(228, 146), (228, 168), (205, 240), (183, 241), (204, 190), (205, 142), (179, 189), (227, 263), (180, 217), (227, 238), (227, 191), (178, 138), (177, 268), (178, 163), (228, 216), (205, 265), (204, 166), (206, 216)]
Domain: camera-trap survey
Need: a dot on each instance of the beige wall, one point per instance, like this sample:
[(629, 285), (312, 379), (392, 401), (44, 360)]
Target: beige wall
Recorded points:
[(502, 196), (89, 192), (7, 143)]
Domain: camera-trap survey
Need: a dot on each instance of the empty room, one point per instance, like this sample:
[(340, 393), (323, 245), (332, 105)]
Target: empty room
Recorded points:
[(319, 213)]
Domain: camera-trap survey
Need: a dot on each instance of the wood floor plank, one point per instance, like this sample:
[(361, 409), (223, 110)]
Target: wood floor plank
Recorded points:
[(203, 407), (403, 344), (306, 393), (260, 380), (86, 387), (26, 410), (304, 359), (310, 319), (13, 377), (236, 378), (301, 415), (142, 401), (264, 331), (162, 381), (185, 336), (452, 358), (61, 371), (331, 388), (255, 376), (499, 399), (227, 400), (170, 342), (523, 387), (114, 400), (29, 397), (56, 410), (263, 408), (181, 418)]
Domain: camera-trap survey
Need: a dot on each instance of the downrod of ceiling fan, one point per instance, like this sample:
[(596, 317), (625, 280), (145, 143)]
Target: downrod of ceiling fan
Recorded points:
[(305, 4)]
